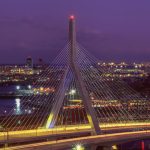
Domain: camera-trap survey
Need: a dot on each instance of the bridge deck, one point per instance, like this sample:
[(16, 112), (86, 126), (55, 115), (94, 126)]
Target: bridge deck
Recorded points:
[(66, 131), (102, 140)]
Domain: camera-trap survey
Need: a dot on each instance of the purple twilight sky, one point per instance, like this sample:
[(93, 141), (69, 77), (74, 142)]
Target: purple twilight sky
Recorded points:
[(110, 29)]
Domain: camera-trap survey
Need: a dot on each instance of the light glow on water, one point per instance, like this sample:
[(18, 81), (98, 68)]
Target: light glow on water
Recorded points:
[(18, 110)]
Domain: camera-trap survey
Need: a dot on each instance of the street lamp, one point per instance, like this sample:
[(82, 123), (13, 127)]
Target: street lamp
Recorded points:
[(18, 87), (79, 147), (29, 86), (72, 92)]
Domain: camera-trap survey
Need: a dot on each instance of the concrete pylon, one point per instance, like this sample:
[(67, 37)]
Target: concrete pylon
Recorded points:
[(80, 83)]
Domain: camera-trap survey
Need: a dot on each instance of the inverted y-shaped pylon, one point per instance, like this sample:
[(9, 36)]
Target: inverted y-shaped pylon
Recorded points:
[(72, 63)]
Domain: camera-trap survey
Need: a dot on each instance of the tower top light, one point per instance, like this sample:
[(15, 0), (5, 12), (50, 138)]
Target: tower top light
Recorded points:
[(72, 17)]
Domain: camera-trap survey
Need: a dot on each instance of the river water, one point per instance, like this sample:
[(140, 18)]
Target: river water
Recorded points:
[(13, 106), (10, 104)]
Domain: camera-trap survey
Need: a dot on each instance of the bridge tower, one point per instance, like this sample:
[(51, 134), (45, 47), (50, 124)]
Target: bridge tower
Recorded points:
[(91, 115), (80, 83)]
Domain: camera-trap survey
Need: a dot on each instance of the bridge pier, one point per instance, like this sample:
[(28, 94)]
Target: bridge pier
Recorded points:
[(93, 147), (6, 145), (96, 147), (107, 148)]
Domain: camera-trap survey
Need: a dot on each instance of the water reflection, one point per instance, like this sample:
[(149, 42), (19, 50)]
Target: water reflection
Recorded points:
[(14, 106), (17, 110)]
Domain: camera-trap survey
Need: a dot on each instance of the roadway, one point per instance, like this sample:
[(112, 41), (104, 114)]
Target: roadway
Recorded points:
[(67, 131), (101, 140)]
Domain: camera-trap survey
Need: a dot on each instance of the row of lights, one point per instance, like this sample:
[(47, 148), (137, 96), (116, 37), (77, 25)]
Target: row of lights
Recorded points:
[(18, 87)]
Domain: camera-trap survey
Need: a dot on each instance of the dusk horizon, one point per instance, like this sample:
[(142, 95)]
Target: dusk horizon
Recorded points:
[(75, 75), (114, 31)]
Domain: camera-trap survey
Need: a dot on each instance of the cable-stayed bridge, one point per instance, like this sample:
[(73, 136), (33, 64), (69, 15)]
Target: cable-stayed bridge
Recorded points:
[(79, 98)]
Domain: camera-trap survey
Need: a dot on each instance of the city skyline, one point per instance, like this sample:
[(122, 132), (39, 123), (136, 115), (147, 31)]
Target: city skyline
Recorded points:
[(115, 31), (76, 101)]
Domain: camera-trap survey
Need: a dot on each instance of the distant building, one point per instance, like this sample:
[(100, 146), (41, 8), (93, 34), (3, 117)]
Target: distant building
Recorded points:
[(29, 62), (124, 70)]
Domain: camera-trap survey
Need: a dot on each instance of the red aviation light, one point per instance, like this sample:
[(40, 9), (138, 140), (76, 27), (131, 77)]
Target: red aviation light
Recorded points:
[(72, 17)]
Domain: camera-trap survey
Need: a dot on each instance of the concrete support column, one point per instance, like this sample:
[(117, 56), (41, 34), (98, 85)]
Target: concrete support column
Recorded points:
[(96, 147), (93, 147), (6, 145), (107, 148), (91, 115)]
